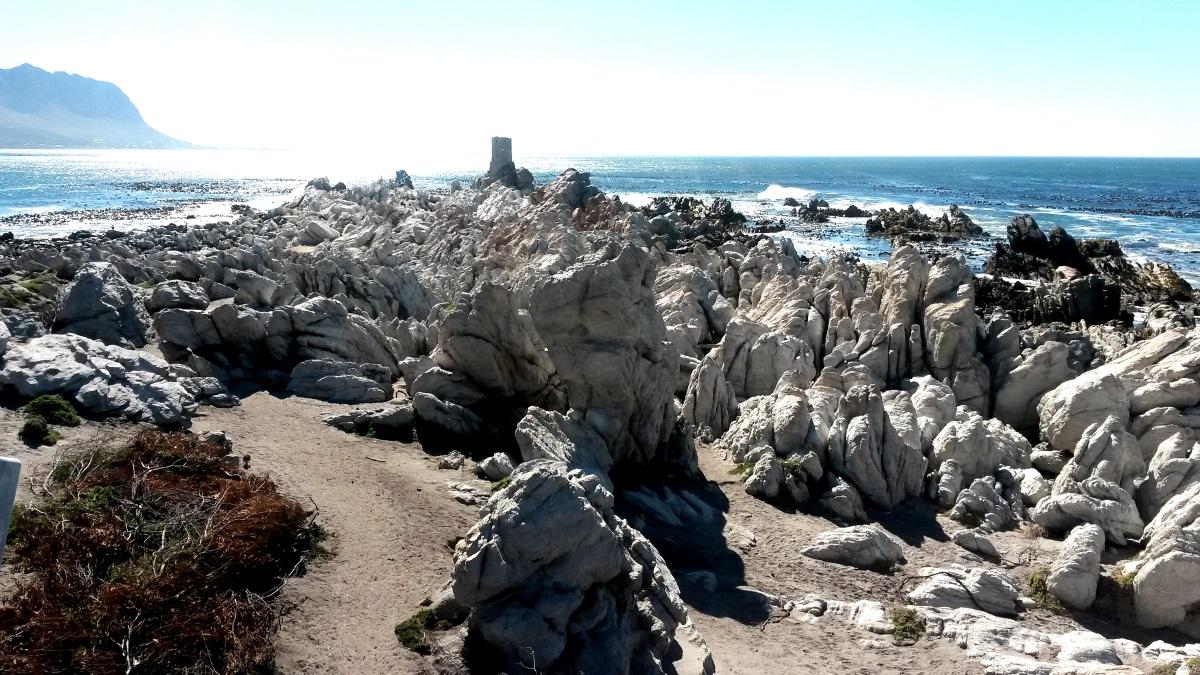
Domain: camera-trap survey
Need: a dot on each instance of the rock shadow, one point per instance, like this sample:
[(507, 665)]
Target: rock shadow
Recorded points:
[(914, 522), (686, 521)]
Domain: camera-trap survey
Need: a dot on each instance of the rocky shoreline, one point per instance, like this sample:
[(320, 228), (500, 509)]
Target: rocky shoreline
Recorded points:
[(587, 353)]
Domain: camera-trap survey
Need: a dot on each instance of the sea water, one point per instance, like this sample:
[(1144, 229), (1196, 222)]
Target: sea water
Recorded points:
[(1152, 206)]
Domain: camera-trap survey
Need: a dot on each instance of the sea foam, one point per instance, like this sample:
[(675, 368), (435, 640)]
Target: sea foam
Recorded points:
[(780, 192)]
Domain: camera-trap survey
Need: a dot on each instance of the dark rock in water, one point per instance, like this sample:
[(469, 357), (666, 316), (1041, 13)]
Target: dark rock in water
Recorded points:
[(853, 211), (339, 187), (321, 183), (1032, 254), (791, 202), (912, 225), (1089, 298), (403, 179)]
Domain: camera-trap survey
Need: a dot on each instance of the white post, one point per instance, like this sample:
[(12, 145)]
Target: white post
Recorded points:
[(10, 474)]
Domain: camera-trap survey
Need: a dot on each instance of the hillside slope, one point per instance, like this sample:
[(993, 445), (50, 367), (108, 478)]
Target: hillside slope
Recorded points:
[(43, 109)]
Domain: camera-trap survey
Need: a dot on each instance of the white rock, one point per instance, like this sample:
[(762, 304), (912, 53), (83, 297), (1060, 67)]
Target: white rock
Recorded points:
[(1076, 571)]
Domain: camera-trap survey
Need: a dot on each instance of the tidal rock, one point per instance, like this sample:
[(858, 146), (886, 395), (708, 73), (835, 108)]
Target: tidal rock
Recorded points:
[(544, 434), (101, 305), (553, 577), (1174, 468), (607, 341), (780, 422), (1076, 571), (843, 502), (1031, 375), (979, 446), (864, 546), (711, 403), (951, 328), (1106, 451)]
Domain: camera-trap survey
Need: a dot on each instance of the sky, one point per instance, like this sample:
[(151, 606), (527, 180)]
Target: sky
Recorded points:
[(745, 77)]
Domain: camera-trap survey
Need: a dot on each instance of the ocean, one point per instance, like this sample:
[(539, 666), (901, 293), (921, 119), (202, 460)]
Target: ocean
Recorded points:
[(1152, 206)]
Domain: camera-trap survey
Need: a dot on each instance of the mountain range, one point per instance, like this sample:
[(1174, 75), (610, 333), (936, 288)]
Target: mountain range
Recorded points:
[(41, 109)]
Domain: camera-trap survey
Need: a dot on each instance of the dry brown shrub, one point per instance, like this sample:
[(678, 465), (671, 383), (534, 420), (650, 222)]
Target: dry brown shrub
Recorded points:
[(148, 555)]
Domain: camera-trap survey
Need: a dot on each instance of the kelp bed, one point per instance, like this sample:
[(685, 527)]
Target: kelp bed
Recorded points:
[(151, 555)]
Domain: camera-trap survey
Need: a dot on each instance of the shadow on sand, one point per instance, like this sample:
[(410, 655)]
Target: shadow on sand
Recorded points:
[(686, 521)]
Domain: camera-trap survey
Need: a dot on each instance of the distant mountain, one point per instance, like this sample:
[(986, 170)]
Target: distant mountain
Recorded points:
[(40, 109)]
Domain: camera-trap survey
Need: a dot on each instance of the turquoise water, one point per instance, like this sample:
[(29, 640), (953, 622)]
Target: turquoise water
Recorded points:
[(1151, 205)]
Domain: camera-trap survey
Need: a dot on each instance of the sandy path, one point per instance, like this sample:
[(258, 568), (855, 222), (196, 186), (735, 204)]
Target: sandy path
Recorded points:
[(388, 523)]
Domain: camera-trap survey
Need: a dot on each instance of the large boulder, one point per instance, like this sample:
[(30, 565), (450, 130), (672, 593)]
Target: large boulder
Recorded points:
[(177, 293), (1093, 500), (865, 546), (100, 304), (554, 580), (1107, 451), (984, 589), (951, 328), (711, 402), (1076, 571), (1031, 375), (880, 458), (341, 382), (104, 380), (1167, 586), (609, 346)]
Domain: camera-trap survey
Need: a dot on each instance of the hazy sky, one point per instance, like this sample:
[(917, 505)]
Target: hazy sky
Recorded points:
[(738, 77)]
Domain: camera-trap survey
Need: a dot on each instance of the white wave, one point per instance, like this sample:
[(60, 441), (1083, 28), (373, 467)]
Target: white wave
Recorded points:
[(779, 192), (637, 199), (1179, 247)]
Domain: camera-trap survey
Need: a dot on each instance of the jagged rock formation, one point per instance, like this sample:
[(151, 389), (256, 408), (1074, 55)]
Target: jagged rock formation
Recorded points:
[(909, 224), (575, 345)]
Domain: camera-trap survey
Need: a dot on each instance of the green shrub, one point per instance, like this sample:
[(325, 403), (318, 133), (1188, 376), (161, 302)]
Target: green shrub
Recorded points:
[(1039, 590), (54, 409), (741, 469), (413, 632), (907, 626), (501, 484), (36, 433)]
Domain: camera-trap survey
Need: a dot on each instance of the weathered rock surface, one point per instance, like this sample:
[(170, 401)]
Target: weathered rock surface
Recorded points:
[(865, 546), (594, 597), (341, 382), (1076, 571), (106, 380), (101, 305), (1167, 586), (984, 589)]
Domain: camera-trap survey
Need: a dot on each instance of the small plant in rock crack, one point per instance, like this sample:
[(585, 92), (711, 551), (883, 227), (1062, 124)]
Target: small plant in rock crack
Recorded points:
[(1039, 590)]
